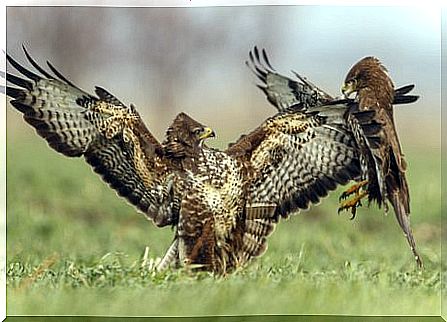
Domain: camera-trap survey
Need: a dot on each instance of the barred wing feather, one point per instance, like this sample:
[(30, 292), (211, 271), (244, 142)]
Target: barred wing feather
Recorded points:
[(76, 123)]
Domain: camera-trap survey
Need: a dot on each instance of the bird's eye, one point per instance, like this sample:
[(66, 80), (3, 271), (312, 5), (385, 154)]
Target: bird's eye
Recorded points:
[(197, 131)]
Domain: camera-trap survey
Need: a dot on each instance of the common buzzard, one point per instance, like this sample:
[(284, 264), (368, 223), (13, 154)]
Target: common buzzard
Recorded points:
[(383, 164), (375, 91), (222, 204)]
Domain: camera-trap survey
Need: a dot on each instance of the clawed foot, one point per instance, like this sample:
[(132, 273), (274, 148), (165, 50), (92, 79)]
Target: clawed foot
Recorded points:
[(353, 203), (355, 188)]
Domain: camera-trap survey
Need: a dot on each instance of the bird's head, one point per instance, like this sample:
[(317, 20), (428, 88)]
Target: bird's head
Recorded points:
[(368, 72), (185, 135)]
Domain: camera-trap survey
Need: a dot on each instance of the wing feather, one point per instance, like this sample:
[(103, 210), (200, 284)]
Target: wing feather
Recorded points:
[(71, 122), (282, 91), (299, 157)]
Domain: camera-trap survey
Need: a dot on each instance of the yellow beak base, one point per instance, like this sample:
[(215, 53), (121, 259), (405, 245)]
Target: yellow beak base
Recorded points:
[(207, 133)]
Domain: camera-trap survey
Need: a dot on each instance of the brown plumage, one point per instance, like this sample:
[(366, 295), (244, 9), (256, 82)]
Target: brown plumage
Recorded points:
[(209, 192), (223, 204), (375, 91), (286, 93), (231, 200), (174, 183)]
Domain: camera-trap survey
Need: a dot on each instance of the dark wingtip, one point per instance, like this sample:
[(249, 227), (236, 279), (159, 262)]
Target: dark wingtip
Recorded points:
[(35, 65), (12, 91), (22, 69), (405, 99), (19, 81), (266, 59), (404, 89), (61, 77)]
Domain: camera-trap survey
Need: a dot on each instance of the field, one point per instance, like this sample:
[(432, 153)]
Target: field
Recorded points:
[(74, 248)]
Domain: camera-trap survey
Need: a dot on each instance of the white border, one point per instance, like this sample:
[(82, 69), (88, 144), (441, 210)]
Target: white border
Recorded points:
[(3, 167), (136, 3)]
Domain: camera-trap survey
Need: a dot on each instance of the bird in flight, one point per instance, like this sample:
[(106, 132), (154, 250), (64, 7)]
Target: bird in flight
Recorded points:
[(369, 79), (222, 204), (383, 164)]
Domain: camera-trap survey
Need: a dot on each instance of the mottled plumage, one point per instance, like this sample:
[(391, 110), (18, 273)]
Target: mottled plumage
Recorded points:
[(111, 136), (222, 204), (231, 200), (283, 92)]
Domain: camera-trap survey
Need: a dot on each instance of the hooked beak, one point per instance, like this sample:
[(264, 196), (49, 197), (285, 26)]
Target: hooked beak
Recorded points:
[(347, 89), (207, 133)]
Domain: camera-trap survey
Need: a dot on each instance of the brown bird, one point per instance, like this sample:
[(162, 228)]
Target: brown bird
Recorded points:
[(179, 183), (223, 204), (375, 91), (111, 137), (231, 200), (284, 92)]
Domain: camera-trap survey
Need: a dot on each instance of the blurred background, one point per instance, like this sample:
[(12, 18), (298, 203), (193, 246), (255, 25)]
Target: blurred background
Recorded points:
[(168, 60)]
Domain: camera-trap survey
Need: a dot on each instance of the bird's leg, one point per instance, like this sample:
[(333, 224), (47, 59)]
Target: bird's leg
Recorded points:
[(354, 202), (352, 189)]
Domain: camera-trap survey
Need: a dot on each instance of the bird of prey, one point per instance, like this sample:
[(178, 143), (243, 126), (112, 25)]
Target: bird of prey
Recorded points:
[(164, 181), (284, 92), (369, 79), (232, 199), (110, 136), (222, 204), (385, 163)]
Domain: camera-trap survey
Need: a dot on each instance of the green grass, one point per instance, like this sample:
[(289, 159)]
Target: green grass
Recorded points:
[(74, 247)]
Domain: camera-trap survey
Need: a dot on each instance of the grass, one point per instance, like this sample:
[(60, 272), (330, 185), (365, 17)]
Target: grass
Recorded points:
[(75, 248)]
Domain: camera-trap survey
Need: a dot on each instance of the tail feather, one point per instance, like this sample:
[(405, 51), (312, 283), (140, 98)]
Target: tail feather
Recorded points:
[(259, 227), (253, 246), (399, 197), (259, 211), (402, 215), (260, 222)]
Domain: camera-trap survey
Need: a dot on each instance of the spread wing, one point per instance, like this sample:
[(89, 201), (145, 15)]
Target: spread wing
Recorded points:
[(112, 137), (281, 91), (298, 157), (284, 92)]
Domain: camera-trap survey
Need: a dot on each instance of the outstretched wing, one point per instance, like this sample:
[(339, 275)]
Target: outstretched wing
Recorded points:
[(282, 91), (298, 157), (112, 137)]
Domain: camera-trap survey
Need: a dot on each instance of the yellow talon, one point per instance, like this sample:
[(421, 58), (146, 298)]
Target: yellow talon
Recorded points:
[(353, 189), (353, 203)]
